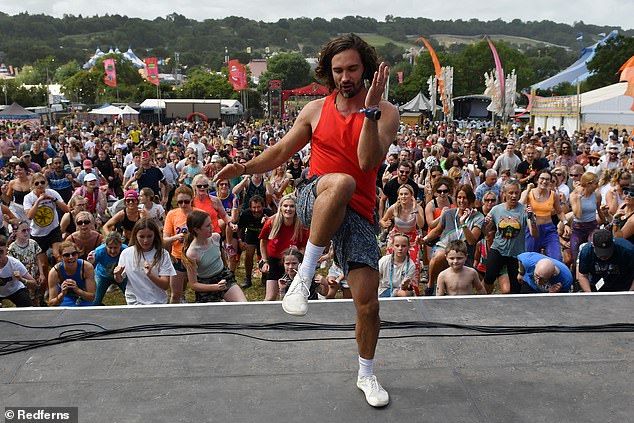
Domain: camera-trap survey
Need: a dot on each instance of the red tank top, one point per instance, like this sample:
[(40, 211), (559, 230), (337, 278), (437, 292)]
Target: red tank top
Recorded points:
[(334, 150)]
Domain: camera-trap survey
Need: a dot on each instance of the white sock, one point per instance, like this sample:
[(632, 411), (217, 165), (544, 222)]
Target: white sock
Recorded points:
[(311, 255), (366, 367)]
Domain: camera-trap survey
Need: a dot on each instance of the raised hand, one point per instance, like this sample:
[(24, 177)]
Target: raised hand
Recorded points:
[(377, 87)]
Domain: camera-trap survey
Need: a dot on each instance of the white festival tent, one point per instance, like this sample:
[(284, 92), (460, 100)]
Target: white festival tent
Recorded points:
[(127, 110), (108, 110)]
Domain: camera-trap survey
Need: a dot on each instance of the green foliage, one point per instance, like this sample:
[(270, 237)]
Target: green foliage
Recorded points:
[(609, 58), (292, 68), (203, 84)]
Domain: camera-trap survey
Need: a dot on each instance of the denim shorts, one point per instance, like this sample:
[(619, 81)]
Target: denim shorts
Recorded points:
[(354, 242)]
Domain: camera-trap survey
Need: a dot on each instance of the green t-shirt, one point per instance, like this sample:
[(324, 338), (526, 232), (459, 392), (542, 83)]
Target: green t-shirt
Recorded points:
[(510, 234)]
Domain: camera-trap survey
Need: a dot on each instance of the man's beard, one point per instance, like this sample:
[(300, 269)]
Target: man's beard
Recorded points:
[(350, 90)]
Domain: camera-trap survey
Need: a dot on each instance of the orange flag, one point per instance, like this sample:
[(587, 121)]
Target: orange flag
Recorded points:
[(436, 63), (627, 74)]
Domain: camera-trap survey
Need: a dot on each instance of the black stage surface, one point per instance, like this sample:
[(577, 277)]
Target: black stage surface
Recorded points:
[(213, 377)]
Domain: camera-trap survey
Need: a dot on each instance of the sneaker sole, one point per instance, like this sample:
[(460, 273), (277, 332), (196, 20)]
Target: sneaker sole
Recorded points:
[(293, 313), (373, 405)]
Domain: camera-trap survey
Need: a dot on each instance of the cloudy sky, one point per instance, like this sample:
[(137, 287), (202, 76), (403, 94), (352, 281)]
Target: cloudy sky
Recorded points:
[(603, 12)]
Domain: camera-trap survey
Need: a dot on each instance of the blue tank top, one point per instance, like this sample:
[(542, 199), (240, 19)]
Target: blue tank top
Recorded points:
[(71, 299), (588, 209)]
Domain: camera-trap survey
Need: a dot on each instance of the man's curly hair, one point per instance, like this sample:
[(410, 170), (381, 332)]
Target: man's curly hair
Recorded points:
[(346, 42)]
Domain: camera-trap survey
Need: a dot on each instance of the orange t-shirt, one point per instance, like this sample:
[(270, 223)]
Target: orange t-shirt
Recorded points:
[(334, 150), (207, 206), (176, 223)]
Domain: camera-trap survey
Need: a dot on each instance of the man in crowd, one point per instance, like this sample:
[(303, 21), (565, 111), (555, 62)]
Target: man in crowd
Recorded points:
[(606, 264), (539, 274)]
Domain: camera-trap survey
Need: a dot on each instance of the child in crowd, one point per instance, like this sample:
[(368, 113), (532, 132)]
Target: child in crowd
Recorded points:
[(105, 258), (458, 279), (397, 270), (146, 264), (33, 258)]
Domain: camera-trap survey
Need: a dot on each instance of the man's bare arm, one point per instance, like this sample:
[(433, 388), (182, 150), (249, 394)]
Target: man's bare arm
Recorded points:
[(272, 157)]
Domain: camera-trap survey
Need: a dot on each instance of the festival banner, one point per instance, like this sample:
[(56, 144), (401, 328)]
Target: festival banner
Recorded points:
[(498, 66), (111, 73), (237, 75), (627, 74), (436, 63), (151, 70)]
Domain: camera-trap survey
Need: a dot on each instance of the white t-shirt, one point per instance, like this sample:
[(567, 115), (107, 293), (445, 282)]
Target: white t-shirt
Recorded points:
[(199, 148), (140, 289), (157, 212), (8, 284), (46, 219), (399, 272)]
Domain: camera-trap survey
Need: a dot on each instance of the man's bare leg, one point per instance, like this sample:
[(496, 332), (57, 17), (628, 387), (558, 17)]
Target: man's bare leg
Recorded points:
[(364, 284)]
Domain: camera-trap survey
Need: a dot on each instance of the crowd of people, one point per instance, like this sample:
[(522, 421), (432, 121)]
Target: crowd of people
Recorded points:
[(88, 207)]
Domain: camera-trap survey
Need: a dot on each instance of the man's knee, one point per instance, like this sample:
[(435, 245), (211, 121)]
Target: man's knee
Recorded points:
[(339, 183)]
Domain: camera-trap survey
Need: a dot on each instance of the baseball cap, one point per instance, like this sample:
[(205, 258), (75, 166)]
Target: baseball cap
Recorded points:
[(14, 159), (215, 158), (26, 153), (87, 163), (603, 243), (90, 177), (131, 194)]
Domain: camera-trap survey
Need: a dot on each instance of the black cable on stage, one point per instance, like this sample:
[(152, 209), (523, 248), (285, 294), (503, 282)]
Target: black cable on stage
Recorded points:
[(75, 332)]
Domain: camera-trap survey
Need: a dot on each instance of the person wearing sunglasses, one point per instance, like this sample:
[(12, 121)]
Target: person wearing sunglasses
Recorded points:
[(71, 282), (40, 206), (623, 224), (125, 219), (86, 237), (210, 204), (174, 233)]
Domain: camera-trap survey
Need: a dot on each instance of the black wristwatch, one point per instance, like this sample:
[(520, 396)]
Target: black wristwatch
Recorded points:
[(372, 113)]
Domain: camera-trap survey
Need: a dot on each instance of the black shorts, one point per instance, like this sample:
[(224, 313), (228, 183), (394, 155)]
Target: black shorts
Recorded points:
[(20, 298), (276, 269), (178, 265), (211, 297), (45, 242)]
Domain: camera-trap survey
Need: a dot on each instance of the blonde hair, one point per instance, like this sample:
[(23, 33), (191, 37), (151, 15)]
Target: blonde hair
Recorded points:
[(278, 220), (587, 178), (397, 208)]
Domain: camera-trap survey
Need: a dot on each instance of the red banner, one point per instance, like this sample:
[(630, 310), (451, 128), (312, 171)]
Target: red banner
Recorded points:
[(111, 73), (151, 70), (237, 75)]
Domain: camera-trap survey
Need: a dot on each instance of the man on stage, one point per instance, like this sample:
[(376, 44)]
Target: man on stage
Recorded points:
[(350, 133)]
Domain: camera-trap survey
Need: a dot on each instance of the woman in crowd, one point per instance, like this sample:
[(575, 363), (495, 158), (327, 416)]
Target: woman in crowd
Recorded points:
[(104, 259), (17, 189), (461, 223), (585, 201), (278, 181), (96, 197), (125, 219), (280, 232), (147, 201), (407, 217), (614, 196), (509, 220), (427, 178), (174, 233), (40, 206), (442, 200), (14, 278), (71, 282), (76, 204), (192, 169), (397, 272), (212, 205), (208, 277), (33, 258), (146, 265), (543, 201), (560, 181), (86, 237), (623, 224)]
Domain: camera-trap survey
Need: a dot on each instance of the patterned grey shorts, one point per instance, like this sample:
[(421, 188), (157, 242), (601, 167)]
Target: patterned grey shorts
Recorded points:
[(355, 240)]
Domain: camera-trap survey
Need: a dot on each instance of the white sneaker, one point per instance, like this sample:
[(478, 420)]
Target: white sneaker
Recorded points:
[(375, 395), (295, 301)]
